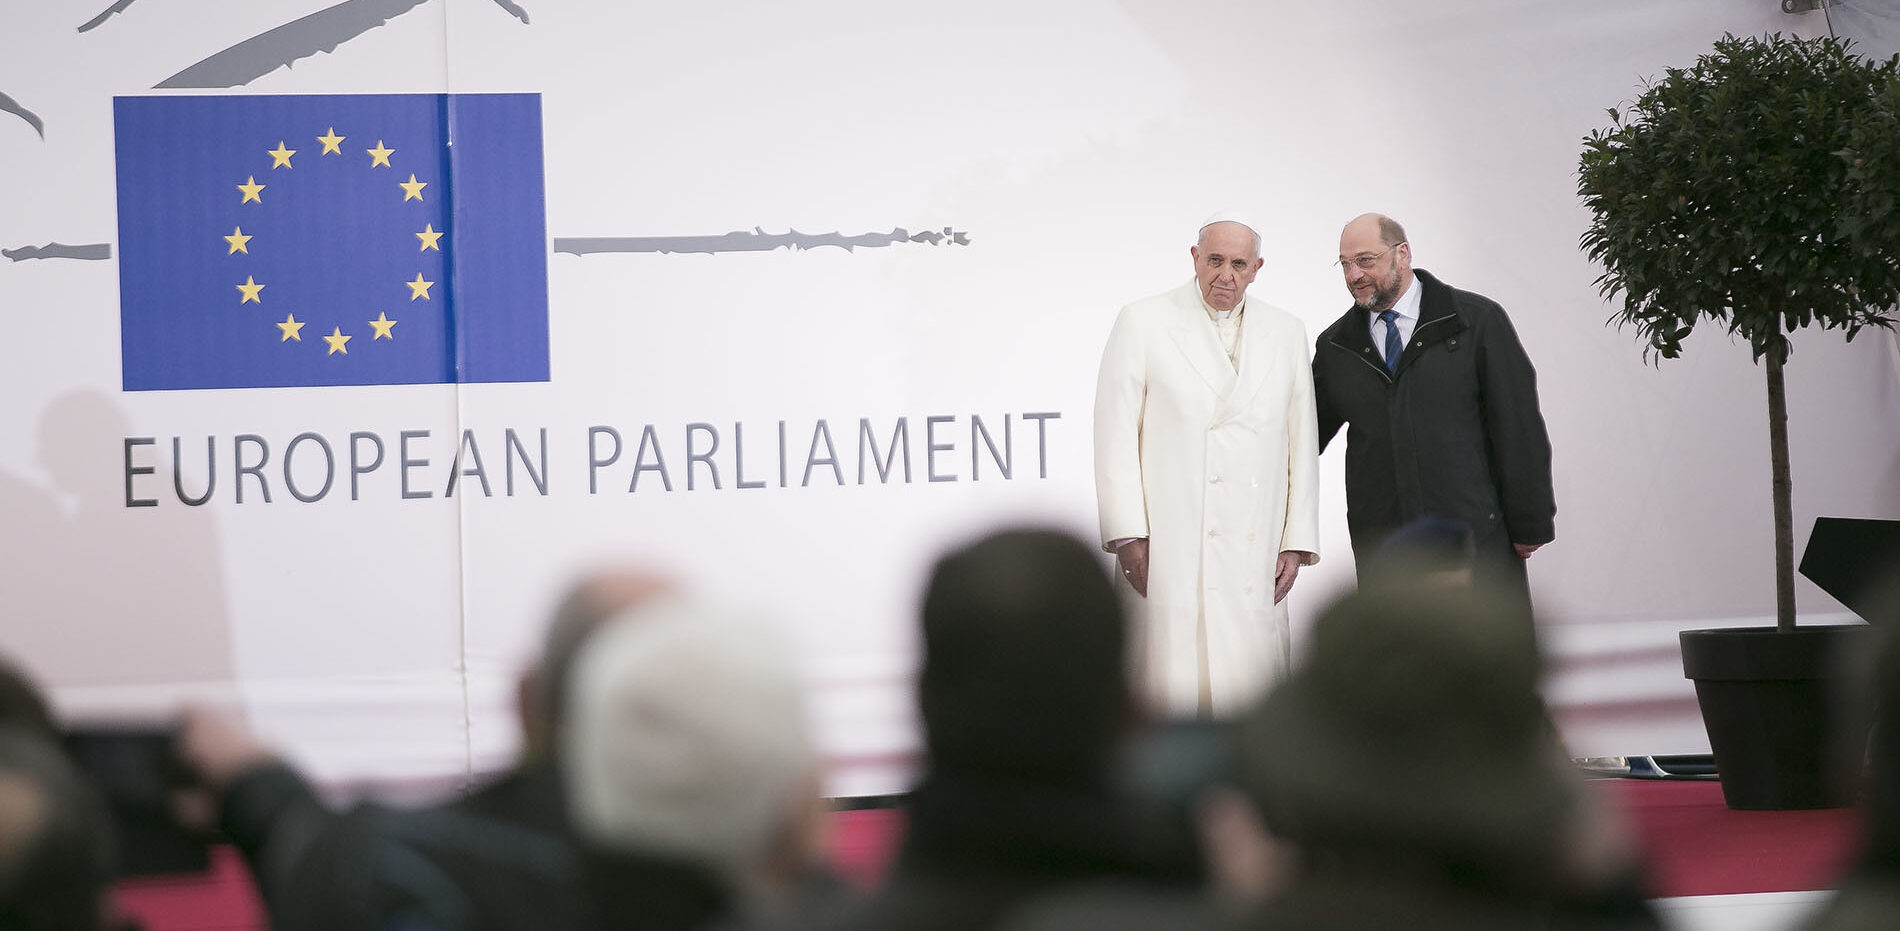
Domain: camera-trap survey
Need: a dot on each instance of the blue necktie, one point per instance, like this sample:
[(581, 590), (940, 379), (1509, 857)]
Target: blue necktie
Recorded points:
[(1392, 347)]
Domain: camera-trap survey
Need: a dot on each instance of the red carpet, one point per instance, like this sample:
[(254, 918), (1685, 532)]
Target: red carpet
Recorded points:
[(1693, 845), (223, 899), (1696, 846)]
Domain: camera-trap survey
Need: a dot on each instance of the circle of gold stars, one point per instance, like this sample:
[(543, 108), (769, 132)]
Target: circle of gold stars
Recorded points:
[(251, 291)]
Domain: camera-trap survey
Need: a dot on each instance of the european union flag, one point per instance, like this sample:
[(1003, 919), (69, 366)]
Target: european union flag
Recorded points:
[(384, 239)]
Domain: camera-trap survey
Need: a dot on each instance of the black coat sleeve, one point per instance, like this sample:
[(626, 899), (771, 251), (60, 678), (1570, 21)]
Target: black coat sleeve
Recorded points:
[(1329, 419), (1517, 441)]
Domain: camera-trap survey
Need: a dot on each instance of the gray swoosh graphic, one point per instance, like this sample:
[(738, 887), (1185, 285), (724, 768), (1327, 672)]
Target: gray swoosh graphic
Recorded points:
[(757, 240), (91, 252), (94, 22), (514, 10), (321, 31), (9, 105)]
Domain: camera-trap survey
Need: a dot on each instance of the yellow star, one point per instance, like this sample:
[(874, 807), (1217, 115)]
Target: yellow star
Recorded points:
[(412, 189), (280, 156), (250, 288), (331, 141), (382, 323), (290, 326), (429, 237), (250, 187), (237, 239), (379, 155), (419, 288), (337, 342)]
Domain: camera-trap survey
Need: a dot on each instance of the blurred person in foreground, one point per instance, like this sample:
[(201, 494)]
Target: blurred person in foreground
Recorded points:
[(500, 857), (1869, 896), (1434, 552), (1410, 772), (692, 777), (23, 706), (1026, 706), (1404, 776), (56, 841)]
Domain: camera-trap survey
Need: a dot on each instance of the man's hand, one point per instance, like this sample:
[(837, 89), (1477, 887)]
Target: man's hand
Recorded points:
[(1133, 557), (1285, 570), (1524, 550), (216, 748)]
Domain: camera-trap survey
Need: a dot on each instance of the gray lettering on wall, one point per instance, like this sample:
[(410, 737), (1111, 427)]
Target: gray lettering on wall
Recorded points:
[(738, 458), (1042, 439), (594, 462), (537, 475), (867, 448), (329, 467), (932, 447), (131, 500), (407, 463), (356, 466), (476, 471), (705, 457), (311, 463), (255, 470), (1005, 462), (831, 454), (640, 464), (211, 472)]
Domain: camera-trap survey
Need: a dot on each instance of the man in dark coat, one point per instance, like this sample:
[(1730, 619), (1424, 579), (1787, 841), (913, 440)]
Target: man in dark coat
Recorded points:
[(1440, 407)]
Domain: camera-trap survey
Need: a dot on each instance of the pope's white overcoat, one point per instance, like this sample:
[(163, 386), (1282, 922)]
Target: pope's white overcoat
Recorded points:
[(1219, 470)]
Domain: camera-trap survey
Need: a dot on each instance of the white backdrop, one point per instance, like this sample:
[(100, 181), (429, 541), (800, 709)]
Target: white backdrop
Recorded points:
[(1074, 144)]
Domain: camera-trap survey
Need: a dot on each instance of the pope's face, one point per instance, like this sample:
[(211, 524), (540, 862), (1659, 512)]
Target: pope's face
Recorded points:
[(1225, 262)]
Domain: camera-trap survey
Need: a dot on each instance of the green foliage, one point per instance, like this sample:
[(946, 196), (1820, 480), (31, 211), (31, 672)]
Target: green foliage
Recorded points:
[(1757, 189)]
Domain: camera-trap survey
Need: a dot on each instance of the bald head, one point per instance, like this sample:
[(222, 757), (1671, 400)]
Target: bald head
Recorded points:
[(1376, 260), (1380, 227)]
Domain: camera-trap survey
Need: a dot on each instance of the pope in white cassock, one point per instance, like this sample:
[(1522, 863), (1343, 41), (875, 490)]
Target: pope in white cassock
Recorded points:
[(1206, 475)]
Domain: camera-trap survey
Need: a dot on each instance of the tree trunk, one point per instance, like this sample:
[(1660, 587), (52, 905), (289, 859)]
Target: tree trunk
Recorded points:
[(1783, 490)]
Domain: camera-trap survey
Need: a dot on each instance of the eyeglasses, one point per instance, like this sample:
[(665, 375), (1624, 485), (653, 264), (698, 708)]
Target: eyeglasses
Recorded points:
[(1366, 262)]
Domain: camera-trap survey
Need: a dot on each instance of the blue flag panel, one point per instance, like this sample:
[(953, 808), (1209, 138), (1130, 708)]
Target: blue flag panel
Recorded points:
[(386, 239)]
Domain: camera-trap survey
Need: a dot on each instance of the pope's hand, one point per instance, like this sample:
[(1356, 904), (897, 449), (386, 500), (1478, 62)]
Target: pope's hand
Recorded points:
[(1285, 570), (1133, 557)]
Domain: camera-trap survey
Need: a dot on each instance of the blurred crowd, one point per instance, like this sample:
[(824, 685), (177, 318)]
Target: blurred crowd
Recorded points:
[(1404, 775)]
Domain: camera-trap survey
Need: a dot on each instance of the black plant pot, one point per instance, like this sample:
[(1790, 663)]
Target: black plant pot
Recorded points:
[(1767, 700)]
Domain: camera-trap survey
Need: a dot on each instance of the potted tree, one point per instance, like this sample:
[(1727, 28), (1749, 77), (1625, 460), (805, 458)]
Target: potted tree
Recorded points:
[(1754, 191)]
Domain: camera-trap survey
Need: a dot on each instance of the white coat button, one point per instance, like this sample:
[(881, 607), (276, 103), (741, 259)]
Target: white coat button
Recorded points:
[(1250, 538), (1213, 533), (1247, 591), (1214, 481)]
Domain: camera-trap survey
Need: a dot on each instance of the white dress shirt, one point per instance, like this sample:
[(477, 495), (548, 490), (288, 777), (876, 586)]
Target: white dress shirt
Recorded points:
[(1227, 325)]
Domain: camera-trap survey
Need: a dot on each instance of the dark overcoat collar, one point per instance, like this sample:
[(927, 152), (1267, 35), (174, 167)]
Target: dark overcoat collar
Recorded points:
[(1438, 322)]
